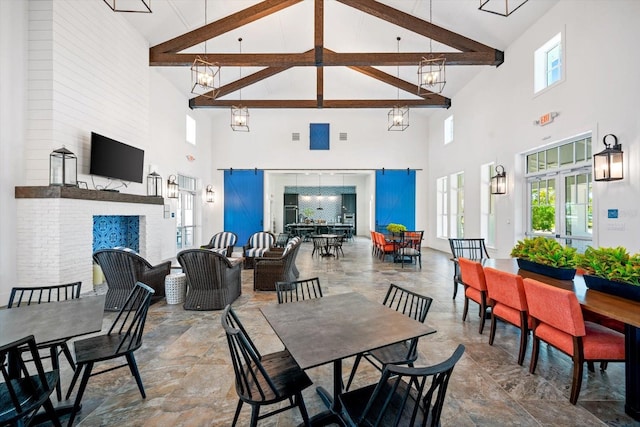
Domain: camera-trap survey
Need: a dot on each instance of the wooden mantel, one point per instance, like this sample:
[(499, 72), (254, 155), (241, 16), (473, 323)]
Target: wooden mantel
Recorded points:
[(57, 192)]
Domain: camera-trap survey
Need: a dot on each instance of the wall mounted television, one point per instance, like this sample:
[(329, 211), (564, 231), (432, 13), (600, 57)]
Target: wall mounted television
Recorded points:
[(113, 159)]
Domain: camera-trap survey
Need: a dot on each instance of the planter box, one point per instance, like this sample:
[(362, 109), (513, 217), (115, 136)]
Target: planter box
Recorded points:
[(619, 289), (547, 270)]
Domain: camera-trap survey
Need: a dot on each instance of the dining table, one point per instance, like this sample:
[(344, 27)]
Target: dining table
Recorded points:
[(332, 328), (617, 308), (325, 240), (51, 322)]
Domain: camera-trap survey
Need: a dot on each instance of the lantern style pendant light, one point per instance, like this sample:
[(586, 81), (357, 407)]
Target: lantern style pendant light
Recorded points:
[(431, 70), (205, 75), (240, 114), (63, 168), (398, 116), (607, 164), (499, 181), (501, 7)]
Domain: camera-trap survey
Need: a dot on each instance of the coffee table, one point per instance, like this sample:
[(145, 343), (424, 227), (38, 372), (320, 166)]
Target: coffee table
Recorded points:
[(335, 327)]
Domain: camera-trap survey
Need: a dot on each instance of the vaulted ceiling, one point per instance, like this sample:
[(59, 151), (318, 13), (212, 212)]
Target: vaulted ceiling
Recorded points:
[(330, 53)]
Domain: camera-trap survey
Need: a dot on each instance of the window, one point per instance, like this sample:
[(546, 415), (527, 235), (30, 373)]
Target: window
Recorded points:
[(448, 129), (560, 192), (191, 130), (442, 203), (457, 206), (548, 64), (186, 219), (487, 205)]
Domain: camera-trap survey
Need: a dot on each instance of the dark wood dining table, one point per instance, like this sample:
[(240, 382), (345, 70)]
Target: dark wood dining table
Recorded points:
[(621, 309), (332, 328)]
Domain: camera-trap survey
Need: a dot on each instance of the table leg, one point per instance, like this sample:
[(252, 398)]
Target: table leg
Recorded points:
[(332, 415), (632, 371)]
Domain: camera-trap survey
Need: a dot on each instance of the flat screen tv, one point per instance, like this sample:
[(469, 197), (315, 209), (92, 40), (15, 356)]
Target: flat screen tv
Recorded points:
[(113, 159)]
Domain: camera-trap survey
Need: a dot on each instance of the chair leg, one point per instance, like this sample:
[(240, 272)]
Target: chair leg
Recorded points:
[(492, 331), (303, 409), (353, 371), (55, 364), (534, 354), (483, 312), (51, 412), (455, 287), (590, 366), (465, 309), (67, 353), (76, 375), (524, 334), (237, 414), (133, 367), (255, 411), (83, 385), (576, 382)]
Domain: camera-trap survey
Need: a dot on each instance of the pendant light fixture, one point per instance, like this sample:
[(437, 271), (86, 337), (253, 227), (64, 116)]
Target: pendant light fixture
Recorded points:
[(205, 76), (431, 70), (132, 6), (320, 208), (240, 114), (398, 116), (501, 7)]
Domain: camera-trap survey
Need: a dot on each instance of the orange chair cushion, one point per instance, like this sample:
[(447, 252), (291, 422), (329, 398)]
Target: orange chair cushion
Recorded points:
[(509, 314), (602, 343), (475, 295)]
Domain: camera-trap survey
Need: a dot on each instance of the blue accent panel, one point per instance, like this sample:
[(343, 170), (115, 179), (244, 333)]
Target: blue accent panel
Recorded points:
[(319, 136), (110, 231), (395, 198), (612, 213), (243, 202)]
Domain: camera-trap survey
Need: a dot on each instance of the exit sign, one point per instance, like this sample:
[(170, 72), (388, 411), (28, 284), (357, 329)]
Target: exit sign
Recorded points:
[(545, 119)]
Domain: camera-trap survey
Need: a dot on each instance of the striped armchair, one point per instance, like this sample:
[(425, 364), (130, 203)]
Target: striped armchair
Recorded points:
[(256, 246), (222, 243)]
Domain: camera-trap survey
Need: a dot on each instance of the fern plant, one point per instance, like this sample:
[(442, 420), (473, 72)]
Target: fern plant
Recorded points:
[(614, 264), (545, 251)]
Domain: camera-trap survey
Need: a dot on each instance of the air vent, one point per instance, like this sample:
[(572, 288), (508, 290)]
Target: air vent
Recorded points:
[(343, 136), (295, 136)]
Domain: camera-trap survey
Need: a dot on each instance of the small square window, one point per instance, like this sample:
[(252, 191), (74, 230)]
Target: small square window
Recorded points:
[(191, 130), (448, 130), (548, 64)]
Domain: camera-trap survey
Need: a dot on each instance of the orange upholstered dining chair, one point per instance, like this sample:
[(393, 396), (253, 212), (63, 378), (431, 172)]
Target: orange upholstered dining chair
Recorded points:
[(557, 320), (506, 290), (475, 288)]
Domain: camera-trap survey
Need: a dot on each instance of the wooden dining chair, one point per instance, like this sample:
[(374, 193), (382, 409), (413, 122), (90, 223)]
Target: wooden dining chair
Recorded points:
[(410, 304), (25, 390), (298, 290), (262, 379), (475, 289), (558, 321), (122, 340), (404, 396), (509, 304), (410, 247), (22, 296)]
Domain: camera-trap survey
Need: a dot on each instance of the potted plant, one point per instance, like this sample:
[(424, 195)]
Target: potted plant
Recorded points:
[(308, 213), (611, 270), (546, 256), (396, 229)]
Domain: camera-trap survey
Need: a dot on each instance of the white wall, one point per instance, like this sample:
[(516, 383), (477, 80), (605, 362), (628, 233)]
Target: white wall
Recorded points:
[(494, 114)]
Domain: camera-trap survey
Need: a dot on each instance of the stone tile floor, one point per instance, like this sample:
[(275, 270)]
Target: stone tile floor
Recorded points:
[(186, 370)]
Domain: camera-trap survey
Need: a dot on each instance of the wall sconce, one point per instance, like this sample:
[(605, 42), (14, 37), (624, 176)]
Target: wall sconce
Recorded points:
[(209, 194), (154, 184), (499, 181), (63, 168), (607, 164), (172, 187)]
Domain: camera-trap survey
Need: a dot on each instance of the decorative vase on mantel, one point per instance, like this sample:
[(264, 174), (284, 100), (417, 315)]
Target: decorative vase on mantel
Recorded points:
[(547, 270), (611, 287)]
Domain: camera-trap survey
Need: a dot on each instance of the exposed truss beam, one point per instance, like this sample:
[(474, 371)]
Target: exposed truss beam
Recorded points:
[(201, 102)]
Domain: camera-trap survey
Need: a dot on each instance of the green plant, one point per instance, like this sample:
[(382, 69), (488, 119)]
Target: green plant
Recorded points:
[(612, 264), (396, 228), (308, 212), (545, 251)]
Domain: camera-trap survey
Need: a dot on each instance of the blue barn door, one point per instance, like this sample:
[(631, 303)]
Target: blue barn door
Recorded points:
[(395, 198), (243, 202)]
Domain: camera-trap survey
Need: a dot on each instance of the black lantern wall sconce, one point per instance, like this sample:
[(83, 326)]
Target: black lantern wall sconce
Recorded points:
[(499, 181), (209, 194), (607, 164), (154, 184), (172, 187), (63, 168)]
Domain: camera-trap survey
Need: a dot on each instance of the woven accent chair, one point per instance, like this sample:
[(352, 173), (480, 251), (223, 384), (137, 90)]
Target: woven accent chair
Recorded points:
[(299, 290), (212, 280), (256, 246), (410, 247), (410, 304), (269, 270), (474, 249), (122, 269), (122, 340), (475, 288), (262, 379), (509, 304), (404, 396), (25, 390), (276, 252), (222, 243), (557, 320), (41, 295)]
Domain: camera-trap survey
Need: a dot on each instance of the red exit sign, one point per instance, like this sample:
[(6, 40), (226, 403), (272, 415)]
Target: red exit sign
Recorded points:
[(546, 118)]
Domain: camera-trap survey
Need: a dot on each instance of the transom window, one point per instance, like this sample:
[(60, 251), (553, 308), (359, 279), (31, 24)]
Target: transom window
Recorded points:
[(548, 64), (448, 130)]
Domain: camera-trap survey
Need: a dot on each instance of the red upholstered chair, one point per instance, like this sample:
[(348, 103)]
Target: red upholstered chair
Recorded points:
[(384, 247), (475, 288), (506, 290), (557, 320)]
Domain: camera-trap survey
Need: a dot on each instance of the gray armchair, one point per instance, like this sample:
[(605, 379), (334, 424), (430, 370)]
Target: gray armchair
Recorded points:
[(213, 281), (122, 269)]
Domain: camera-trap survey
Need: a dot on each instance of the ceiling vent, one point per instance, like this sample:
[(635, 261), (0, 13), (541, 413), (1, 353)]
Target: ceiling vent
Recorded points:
[(343, 136), (295, 136)]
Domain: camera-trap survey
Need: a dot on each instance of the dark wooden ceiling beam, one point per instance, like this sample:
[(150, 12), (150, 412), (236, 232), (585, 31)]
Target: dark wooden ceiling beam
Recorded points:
[(201, 102), (417, 25), (234, 59), (318, 45), (221, 26), (410, 58)]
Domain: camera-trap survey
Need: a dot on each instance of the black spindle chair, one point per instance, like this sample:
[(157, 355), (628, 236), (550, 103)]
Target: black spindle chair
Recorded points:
[(299, 290), (474, 249)]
